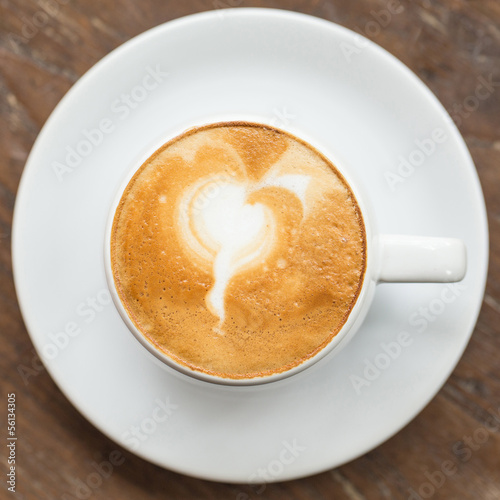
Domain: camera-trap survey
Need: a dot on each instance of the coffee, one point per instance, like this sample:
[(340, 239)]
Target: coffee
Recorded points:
[(238, 250)]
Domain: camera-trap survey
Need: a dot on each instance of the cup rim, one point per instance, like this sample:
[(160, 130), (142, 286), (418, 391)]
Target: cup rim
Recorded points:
[(332, 347)]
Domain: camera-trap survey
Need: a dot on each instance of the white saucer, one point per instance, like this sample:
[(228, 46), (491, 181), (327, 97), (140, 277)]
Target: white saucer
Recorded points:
[(299, 73)]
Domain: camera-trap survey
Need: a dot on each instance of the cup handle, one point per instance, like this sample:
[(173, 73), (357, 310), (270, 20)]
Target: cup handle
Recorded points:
[(420, 259)]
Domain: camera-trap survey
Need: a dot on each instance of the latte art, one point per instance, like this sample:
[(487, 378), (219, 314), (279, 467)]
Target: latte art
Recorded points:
[(221, 225), (238, 250)]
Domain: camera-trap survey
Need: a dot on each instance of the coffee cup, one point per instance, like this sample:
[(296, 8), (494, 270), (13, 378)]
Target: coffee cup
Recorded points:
[(239, 254)]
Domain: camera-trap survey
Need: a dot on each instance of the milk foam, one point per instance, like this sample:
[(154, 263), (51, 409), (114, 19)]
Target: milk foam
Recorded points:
[(219, 222), (233, 225), (296, 183)]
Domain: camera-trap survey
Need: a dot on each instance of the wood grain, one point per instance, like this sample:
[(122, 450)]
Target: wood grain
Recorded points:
[(449, 44)]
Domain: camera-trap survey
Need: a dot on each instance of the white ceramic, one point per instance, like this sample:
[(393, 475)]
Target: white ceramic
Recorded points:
[(390, 258), (289, 70)]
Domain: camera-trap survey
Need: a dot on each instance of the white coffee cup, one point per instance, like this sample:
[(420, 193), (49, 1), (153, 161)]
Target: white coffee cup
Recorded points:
[(389, 259)]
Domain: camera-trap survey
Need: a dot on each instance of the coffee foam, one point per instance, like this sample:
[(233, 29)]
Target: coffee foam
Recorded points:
[(238, 250), (237, 232), (216, 220)]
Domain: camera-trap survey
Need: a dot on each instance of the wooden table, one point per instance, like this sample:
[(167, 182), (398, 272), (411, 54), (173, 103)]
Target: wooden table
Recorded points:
[(45, 46)]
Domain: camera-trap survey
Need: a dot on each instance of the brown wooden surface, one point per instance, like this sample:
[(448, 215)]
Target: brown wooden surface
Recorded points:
[(449, 44)]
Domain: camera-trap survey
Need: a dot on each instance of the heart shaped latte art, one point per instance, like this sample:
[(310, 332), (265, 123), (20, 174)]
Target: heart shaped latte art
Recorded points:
[(224, 228)]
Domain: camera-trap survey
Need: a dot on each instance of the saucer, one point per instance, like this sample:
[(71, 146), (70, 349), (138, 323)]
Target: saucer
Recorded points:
[(318, 81)]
